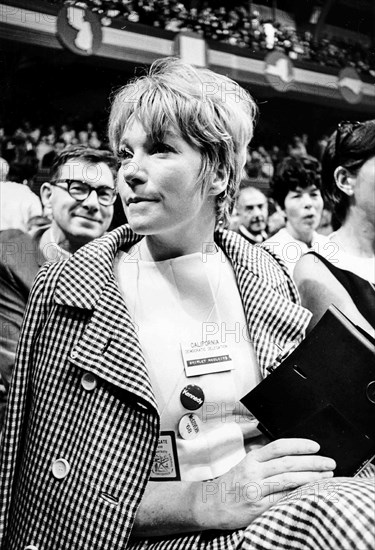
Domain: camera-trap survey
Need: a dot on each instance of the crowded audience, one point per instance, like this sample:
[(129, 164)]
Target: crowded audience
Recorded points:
[(237, 27)]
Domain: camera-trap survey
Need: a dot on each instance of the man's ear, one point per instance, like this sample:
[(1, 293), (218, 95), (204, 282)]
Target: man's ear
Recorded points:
[(345, 181), (45, 194)]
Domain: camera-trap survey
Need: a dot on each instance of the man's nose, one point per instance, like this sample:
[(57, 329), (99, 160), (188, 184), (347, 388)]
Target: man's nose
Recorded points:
[(92, 201)]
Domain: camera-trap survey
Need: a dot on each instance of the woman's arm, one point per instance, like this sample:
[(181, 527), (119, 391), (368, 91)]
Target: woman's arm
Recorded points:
[(319, 289), (235, 499)]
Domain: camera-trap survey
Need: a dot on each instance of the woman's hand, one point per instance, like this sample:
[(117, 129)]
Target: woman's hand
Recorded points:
[(236, 498), (262, 478)]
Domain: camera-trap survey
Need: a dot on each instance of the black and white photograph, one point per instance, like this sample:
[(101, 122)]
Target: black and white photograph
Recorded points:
[(187, 275)]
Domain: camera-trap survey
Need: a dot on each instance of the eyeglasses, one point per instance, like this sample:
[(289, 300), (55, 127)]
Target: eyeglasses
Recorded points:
[(344, 129), (80, 190)]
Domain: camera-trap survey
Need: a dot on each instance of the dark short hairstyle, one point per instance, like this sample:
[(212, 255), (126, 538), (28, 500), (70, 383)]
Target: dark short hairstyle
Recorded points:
[(350, 146), (293, 172), (88, 154)]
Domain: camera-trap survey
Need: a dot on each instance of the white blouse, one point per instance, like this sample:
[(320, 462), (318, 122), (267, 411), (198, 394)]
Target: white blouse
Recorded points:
[(190, 307)]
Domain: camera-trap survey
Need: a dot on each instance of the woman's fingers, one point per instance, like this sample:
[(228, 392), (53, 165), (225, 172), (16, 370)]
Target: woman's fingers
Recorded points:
[(303, 463), (285, 447)]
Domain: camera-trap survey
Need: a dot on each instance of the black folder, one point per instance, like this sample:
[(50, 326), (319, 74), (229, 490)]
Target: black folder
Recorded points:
[(325, 391)]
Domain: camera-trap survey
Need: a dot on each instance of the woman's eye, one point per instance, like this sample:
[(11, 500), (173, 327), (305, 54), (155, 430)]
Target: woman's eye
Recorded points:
[(124, 154), (161, 148)]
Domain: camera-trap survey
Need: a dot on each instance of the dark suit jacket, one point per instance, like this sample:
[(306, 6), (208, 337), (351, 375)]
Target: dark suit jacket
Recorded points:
[(20, 261)]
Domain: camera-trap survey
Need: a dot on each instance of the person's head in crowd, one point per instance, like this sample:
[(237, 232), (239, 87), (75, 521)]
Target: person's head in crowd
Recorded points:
[(4, 169), (177, 112), (252, 209), (296, 189), (80, 195), (348, 170)]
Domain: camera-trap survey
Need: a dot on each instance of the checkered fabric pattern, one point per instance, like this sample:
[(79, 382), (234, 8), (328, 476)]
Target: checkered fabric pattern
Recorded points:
[(338, 514), (76, 323)]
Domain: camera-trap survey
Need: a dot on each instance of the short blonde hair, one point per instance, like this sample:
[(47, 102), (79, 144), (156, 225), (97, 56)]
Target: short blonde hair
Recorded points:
[(212, 113)]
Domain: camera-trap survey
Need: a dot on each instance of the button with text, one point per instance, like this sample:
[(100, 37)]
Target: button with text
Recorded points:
[(189, 426)]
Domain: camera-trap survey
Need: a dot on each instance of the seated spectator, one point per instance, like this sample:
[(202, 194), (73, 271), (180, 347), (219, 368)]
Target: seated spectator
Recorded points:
[(296, 189), (252, 211), (107, 433), (50, 157), (18, 203), (343, 274), (78, 216)]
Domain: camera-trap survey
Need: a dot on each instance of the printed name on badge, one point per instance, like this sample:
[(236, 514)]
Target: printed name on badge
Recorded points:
[(206, 357), (165, 466)]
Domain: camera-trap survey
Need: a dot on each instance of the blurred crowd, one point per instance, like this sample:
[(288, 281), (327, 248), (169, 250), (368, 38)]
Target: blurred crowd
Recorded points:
[(31, 148), (238, 27)]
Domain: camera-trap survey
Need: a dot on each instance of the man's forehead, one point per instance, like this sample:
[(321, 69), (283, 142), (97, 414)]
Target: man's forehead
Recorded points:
[(94, 173), (251, 197)]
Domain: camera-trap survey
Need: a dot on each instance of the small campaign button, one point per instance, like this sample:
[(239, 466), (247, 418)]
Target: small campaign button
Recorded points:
[(192, 397), (60, 468), (189, 426), (89, 381)]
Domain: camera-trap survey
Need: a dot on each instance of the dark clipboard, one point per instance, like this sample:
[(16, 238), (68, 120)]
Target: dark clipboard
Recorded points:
[(325, 391)]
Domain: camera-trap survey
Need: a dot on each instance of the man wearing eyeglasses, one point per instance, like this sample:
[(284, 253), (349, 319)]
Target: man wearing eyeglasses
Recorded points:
[(79, 199)]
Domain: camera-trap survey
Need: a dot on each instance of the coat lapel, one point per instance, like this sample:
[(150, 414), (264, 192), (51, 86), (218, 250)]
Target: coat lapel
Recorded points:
[(109, 346), (275, 322)]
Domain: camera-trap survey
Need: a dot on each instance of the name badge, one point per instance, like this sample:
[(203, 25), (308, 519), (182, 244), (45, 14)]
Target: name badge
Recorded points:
[(165, 466), (206, 357)]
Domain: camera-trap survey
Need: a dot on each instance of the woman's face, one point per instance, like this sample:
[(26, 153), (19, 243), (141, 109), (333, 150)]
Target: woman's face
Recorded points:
[(364, 188), (158, 185), (303, 209)]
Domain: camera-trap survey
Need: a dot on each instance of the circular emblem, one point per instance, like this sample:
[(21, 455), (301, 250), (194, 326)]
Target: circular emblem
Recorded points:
[(79, 30), (278, 70), (350, 85), (192, 397), (189, 426)]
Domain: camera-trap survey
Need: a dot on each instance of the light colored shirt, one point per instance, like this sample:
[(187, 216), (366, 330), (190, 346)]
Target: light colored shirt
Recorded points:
[(290, 249), (18, 204), (178, 304)]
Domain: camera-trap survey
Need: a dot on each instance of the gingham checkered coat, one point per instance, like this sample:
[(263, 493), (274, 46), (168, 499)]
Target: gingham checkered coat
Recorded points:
[(76, 323)]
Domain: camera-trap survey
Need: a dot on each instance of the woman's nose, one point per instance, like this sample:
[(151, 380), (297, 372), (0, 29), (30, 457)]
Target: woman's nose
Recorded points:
[(133, 174)]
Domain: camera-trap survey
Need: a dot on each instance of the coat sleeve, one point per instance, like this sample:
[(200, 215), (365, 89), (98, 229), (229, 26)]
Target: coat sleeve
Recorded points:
[(39, 305)]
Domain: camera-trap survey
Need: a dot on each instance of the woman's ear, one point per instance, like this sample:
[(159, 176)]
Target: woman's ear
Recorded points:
[(219, 182), (345, 181)]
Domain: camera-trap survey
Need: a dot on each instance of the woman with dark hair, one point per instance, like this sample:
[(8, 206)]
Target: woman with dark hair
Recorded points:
[(296, 189), (343, 273)]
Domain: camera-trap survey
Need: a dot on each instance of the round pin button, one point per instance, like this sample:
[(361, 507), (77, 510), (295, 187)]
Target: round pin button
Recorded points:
[(89, 381), (192, 397), (189, 426), (60, 468)]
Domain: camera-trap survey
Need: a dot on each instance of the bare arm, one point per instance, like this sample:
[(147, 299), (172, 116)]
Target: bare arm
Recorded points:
[(319, 289), (236, 498)]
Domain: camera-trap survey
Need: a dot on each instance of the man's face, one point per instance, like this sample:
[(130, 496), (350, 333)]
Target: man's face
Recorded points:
[(252, 208), (79, 221)]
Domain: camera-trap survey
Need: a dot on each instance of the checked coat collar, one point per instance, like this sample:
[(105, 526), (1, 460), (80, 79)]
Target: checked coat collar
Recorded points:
[(270, 298)]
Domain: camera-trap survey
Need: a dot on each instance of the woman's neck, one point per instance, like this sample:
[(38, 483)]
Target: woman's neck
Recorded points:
[(356, 236), (305, 237), (165, 247)]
